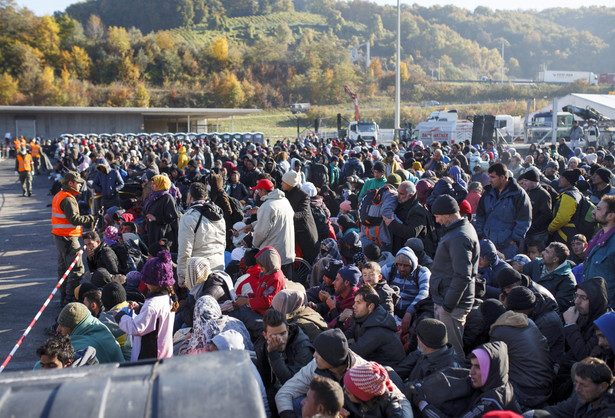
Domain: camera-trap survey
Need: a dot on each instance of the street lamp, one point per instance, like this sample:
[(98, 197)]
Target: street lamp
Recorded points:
[(397, 78)]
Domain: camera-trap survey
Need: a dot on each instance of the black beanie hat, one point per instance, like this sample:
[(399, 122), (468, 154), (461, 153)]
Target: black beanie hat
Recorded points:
[(101, 277), (379, 166), (444, 205), (491, 309), (113, 294), (604, 174), (162, 245), (530, 175), (506, 277), (432, 333), (572, 175), (372, 251), (520, 298), (332, 267), (332, 346)]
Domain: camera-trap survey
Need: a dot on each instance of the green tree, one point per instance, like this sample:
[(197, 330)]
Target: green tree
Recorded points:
[(229, 91), (9, 88)]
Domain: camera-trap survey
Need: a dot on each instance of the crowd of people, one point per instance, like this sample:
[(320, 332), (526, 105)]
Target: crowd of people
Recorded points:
[(446, 279)]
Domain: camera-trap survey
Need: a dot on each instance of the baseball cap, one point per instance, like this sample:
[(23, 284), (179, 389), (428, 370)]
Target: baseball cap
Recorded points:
[(264, 184)]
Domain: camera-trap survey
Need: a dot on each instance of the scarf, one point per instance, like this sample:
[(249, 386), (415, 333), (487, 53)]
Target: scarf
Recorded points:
[(599, 240)]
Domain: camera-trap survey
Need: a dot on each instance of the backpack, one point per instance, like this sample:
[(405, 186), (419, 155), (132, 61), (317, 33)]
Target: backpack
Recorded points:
[(237, 207), (321, 221), (129, 256), (318, 175), (373, 197), (582, 218)]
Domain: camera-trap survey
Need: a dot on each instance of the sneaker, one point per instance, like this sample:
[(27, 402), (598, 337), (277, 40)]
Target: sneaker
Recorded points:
[(29, 194)]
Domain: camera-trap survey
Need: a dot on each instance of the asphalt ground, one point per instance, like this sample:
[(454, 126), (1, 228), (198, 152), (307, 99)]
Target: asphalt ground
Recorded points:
[(28, 268)]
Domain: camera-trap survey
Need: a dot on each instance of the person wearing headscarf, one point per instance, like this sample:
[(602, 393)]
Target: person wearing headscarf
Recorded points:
[(161, 213), (209, 322), (291, 303)]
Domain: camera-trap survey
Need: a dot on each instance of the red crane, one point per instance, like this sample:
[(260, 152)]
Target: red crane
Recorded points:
[(355, 101)]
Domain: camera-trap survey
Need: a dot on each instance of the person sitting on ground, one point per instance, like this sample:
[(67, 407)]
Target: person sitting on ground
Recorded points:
[(372, 276), (291, 303), (113, 297), (99, 254), (554, 272), (58, 353), (578, 245), (339, 305), (518, 261), (371, 393), (92, 299), (412, 280), (489, 265), (416, 245), (373, 252), (317, 295), (373, 332), (84, 330), (281, 352), (433, 355), (605, 332), (489, 381), (593, 394), (325, 398), (332, 359)]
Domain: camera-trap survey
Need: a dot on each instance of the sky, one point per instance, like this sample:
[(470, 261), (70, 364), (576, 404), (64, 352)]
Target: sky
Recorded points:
[(41, 7)]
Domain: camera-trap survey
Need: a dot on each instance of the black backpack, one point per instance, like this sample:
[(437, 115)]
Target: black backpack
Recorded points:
[(321, 221), (209, 210), (237, 208), (129, 256), (582, 218)]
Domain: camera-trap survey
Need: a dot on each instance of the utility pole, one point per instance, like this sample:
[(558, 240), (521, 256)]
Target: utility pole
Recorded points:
[(502, 81), (439, 79), (397, 77)]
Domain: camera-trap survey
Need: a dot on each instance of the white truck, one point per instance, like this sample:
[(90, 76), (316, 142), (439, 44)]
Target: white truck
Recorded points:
[(365, 130), (444, 125), (567, 77)]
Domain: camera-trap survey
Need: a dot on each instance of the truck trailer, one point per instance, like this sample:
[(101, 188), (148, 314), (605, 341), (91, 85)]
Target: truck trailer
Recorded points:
[(567, 77)]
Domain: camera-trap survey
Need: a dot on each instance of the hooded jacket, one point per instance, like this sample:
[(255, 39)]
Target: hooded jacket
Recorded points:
[(104, 257), (417, 366), (488, 250), (531, 369), (601, 262), (376, 338), (412, 220), (504, 217), (412, 289), (306, 233), (560, 282), (380, 233), (182, 158), (564, 208), (275, 226), (455, 266), (574, 408), (310, 321), (271, 282), (497, 394), (541, 210), (581, 337), (91, 332), (108, 181), (549, 323), (208, 241), (353, 166)]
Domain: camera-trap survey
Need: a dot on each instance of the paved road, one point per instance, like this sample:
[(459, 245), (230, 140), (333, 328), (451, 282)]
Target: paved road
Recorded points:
[(27, 265)]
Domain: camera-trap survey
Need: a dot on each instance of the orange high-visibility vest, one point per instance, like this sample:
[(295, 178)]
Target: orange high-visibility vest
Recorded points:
[(35, 150), (17, 144), (25, 163), (59, 224)]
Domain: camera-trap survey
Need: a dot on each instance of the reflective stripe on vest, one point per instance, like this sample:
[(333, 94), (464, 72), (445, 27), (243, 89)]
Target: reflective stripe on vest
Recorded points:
[(59, 223), (35, 150), (25, 164)]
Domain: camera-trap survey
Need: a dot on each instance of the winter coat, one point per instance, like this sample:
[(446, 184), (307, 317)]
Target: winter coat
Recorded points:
[(573, 408), (541, 210), (380, 233), (275, 226), (376, 338), (560, 282), (564, 208), (277, 366), (166, 223), (549, 323), (391, 404), (601, 262), (581, 337), (104, 257), (417, 366), (531, 369), (108, 183), (208, 241), (91, 332), (353, 166), (310, 321), (497, 394), (372, 184), (490, 272), (239, 191), (388, 296), (271, 281), (412, 289), (443, 187), (455, 266), (412, 220), (306, 233), (504, 217)]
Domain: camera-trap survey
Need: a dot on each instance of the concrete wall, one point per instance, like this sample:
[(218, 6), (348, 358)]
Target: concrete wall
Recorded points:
[(51, 125)]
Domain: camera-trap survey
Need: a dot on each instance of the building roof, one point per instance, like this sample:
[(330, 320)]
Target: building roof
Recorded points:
[(603, 103), (204, 113)]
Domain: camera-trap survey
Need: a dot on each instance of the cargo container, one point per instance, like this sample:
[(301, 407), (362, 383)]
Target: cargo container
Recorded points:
[(567, 77)]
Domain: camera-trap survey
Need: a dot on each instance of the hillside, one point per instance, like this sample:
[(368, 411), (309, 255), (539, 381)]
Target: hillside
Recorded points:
[(270, 53)]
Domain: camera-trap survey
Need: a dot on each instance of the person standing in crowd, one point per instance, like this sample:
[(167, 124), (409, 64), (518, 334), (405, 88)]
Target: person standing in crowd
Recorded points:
[(66, 227), (600, 253), (161, 212), (24, 166), (35, 151), (541, 204), (202, 232), (454, 269), (576, 136), (562, 226), (504, 213)]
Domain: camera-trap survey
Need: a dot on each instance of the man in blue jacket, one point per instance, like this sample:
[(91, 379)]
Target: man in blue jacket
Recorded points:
[(600, 253), (504, 212)]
